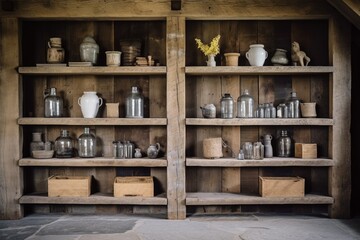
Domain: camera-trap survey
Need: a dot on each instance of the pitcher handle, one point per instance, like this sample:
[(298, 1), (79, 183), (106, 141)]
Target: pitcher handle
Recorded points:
[(79, 99), (247, 55), (158, 146), (101, 101)]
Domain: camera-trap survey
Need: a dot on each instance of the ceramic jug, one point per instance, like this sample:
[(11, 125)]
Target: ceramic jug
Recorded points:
[(256, 55), (153, 150), (268, 149), (90, 104), (208, 110)]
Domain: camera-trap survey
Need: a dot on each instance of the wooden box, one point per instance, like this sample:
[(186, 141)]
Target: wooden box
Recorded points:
[(112, 110), (282, 186), (134, 186), (306, 150), (69, 186)]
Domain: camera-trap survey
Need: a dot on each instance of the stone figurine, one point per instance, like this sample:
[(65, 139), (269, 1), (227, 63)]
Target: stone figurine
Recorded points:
[(297, 56)]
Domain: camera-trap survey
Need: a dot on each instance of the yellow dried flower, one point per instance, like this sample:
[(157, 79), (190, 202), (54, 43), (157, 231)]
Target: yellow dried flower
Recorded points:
[(213, 49)]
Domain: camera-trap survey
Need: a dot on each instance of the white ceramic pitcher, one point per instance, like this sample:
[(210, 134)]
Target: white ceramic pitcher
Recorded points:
[(90, 104)]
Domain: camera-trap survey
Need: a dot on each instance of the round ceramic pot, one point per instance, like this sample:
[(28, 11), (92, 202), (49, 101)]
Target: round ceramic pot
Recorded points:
[(279, 57), (256, 55), (232, 59), (113, 58)]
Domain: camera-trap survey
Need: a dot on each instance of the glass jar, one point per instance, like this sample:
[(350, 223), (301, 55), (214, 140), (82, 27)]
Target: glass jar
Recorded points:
[(282, 111), (89, 50), (267, 111), (258, 151), (87, 144), (293, 104), (248, 150), (64, 145), (36, 143), (53, 104), (272, 110), (135, 104), (245, 105), (128, 149), (284, 145), (227, 106)]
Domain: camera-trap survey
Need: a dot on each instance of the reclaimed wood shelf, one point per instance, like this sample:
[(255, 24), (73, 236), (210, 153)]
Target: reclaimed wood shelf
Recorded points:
[(97, 199), (260, 121), (101, 70), (93, 162), (92, 121), (266, 162), (217, 198), (263, 70)]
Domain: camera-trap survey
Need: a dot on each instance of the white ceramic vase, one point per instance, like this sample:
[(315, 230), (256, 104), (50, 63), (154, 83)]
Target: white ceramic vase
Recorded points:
[(256, 55), (90, 104), (211, 61)]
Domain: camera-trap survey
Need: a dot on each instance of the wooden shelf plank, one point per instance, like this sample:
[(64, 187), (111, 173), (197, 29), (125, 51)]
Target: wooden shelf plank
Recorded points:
[(93, 162), (101, 70), (217, 198), (93, 121), (259, 121), (266, 162), (251, 70), (98, 198)]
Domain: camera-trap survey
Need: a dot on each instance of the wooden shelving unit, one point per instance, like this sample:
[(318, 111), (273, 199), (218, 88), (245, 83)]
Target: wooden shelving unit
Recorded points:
[(174, 91)]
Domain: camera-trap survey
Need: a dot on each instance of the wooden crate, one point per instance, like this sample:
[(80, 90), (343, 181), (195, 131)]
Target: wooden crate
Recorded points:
[(69, 186), (306, 150), (134, 186), (282, 186)]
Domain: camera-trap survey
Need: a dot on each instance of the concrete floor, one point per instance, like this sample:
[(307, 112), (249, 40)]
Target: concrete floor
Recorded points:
[(229, 227)]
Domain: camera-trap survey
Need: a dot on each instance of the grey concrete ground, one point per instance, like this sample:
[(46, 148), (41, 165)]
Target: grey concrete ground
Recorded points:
[(229, 227)]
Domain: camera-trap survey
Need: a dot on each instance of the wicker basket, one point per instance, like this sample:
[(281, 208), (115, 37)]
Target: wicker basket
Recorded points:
[(212, 148)]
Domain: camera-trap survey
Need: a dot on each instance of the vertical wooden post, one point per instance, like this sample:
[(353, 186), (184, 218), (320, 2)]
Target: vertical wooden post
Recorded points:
[(339, 174), (175, 55), (10, 173)]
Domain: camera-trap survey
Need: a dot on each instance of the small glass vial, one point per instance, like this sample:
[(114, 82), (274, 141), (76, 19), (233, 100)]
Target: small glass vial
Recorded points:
[(87, 144), (64, 145), (36, 143), (227, 106), (53, 104), (245, 105), (261, 111), (135, 104), (272, 110), (241, 155), (137, 153), (267, 111), (293, 104)]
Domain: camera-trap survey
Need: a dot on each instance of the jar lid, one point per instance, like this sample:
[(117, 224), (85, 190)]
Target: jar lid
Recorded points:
[(89, 39)]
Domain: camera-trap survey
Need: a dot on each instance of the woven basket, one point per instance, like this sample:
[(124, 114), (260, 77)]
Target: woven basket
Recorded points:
[(212, 148)]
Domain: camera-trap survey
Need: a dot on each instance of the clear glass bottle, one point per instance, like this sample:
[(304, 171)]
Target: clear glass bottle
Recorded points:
[(227, 106), (293, 104), (284, 145), (36, 143), (261, 111), (272, 110), (267, 111), (64, 145), (87, 144), (89, 50), (245, 105), (53, 104), (282, 111), (135, 104)]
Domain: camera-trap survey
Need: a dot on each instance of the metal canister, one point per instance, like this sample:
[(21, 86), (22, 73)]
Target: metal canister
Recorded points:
[(293, 104), (284, 145)]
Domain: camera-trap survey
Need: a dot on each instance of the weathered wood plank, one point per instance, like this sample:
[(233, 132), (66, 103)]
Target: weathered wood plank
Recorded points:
[(92, 121), (175, 89), (202, 198), (98, 198), (259, 122), (11, 176), (339, 177)]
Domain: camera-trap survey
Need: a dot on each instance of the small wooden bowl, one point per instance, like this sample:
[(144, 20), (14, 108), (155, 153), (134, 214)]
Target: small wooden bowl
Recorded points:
[(43, 153)]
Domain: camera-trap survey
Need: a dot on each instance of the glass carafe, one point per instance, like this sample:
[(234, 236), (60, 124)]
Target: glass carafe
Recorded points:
[(53, 104), (87, 144), (245, 105), (64, 145), (135, 104), (284, 145), (227, 106)]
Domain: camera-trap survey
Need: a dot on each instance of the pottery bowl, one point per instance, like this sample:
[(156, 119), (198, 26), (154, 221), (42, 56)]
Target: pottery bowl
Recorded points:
[(43, 153)]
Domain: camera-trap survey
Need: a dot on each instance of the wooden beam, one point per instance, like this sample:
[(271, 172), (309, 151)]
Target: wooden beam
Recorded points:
[(349, 8), (10, 173)]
